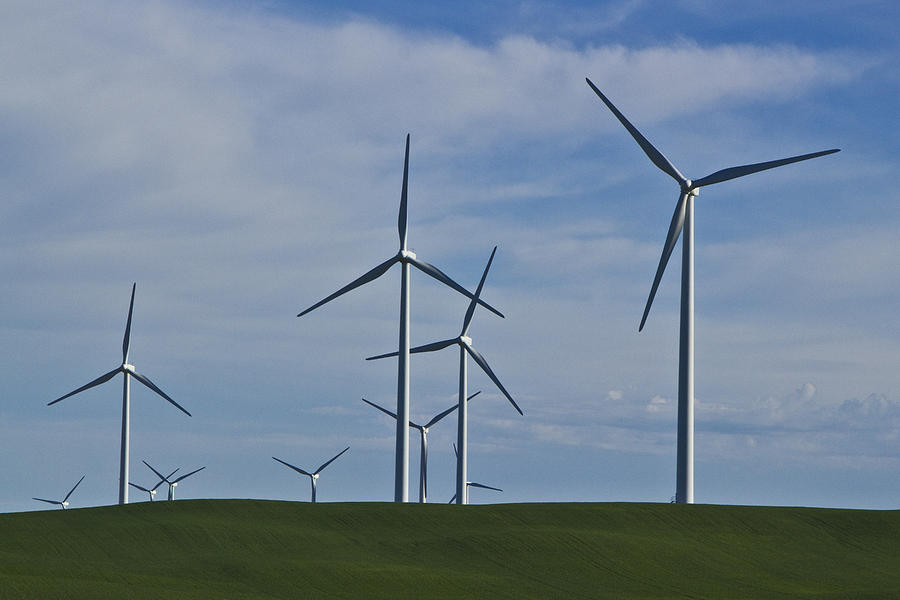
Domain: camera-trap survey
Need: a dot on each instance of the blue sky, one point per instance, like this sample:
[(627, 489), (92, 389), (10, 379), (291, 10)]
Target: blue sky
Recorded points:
[(241, 161)]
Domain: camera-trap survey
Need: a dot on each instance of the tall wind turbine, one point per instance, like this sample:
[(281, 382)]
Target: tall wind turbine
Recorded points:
[(152, 491), (465, 349), (405, 258), (65, 501), (684, 219), (173, 483), (423, 431), (128, 371), (314, 476)]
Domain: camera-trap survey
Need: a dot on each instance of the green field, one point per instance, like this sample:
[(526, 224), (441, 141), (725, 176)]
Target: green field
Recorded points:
[(267, 549)]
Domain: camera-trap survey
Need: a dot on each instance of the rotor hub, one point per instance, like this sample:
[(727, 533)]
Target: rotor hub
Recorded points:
[(127, 367), (465, 340), (407, 255)]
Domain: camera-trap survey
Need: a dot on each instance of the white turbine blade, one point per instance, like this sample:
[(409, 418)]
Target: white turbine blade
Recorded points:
[(188, 475), (158, 474), (675, 227), (440, 416), (381, 408), (453, 499), (334, 458), (470, 312), (47, 501), (455, 450), (487, 369), (94, 383), (735, 172), (649, 149), (443, 278), (73, 488), (482, 486), (363, 279), (473, 395), (126, 341), (136, 486), (298, 469), (163, 480), (432, 347), (153, 387), (402, 217)]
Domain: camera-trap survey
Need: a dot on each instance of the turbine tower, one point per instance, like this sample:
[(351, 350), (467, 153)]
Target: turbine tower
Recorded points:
[(405, 258), (423, 448), (684, 219), (314, 476), (173, 483), (128, 371), (152, 491), (470, 484), (465, 349), (65, 501)]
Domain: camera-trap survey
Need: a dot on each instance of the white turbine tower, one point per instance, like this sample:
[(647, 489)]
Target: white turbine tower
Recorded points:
[(405, 258), (152, 491), (173, 483), (65, 501), (470, 484), (314, 476), (128, 371), (423, 448), (684, 219), (465, 349)]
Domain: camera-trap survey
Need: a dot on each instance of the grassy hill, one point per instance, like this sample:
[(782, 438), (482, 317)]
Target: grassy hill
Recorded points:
[(264, 549)]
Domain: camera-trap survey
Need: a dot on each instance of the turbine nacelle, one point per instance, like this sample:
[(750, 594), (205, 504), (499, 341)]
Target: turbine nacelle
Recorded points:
[(465, 340), (406, 255), (688, 187), (127, 368)]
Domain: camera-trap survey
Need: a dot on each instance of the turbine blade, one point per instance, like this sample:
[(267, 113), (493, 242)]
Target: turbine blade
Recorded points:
[(470, 312), (380, 356), (47, 501), (189, 474), (136, 486), (443, 278), (675, 227), (126, 341), (455, 450), (482, 486), (73, 488), (441, 415), (473, 395), (153, 387), (334, 458), (402, 218), (298, 469), (94, 383), (735, 172), (649, 149), (487, 369), (382, 409), (361, 280), (453, 499), (158, 474)]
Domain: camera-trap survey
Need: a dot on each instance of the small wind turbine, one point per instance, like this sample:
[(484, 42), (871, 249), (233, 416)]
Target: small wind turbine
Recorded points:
[(314, 476), (128, 371), (152, 491), (405, 258), (423, 431), (173, 483), (684, 219), (65, 501), (470, 484), (465, 348)]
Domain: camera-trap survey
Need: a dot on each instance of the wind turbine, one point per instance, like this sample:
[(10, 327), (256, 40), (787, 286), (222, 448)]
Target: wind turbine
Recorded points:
[(152, 491), (128, 371), (173, 483), (405, 258), (423, 430), (684, 219), (65, 501), (314, 476), (470, 484), (465, 349)]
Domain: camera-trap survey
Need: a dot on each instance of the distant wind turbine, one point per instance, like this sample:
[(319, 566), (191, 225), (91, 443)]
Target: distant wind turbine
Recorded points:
[(173, 483), (152, 491), (405, 258), (465, 348), (128, 371), (314, 476), (65, 501), (423, 431), (684, 219), (470, 484)]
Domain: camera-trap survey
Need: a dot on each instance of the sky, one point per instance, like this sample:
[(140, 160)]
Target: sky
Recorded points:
[(241, 161)]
